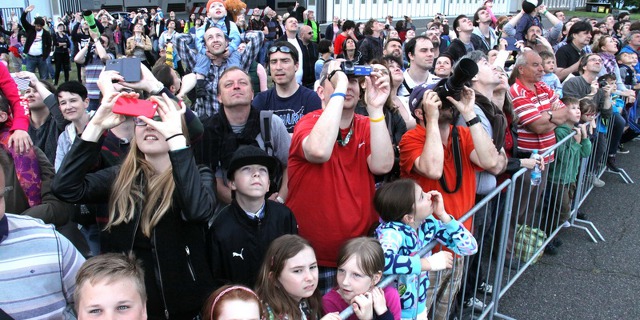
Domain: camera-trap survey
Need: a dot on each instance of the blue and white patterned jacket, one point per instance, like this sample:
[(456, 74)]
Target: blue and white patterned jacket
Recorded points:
[(400, 243)]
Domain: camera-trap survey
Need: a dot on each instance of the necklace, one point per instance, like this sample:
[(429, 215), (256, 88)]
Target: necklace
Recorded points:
[(347, 138)]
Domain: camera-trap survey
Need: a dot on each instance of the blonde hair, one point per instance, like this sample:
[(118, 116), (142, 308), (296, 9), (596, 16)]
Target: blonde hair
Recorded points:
[(129, 190)]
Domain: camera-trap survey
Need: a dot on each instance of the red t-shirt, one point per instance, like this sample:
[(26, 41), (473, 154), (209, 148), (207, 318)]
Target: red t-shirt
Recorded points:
[(528, 106), (337, 45), (332, 201), (455, 204)]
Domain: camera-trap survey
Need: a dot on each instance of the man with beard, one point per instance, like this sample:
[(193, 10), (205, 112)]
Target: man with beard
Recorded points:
[(393, 47)]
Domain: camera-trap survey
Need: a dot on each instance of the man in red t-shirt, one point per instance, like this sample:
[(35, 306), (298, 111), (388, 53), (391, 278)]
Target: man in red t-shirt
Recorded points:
[(427, 156), (331, 183)]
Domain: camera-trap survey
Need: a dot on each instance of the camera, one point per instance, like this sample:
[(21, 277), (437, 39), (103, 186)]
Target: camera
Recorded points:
[(353, 70), (464, 71)]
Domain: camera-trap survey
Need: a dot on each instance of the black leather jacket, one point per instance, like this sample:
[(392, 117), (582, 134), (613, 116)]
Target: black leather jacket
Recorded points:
[(174, 257)]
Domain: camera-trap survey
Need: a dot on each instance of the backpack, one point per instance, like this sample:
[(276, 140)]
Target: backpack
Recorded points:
[(265, 133)]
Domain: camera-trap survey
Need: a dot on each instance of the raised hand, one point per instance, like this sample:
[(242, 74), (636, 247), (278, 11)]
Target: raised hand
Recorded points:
[(378, 87), (104, 118), (170, 113), (29, 8), (431, 104), (363, 306), (466, 103)]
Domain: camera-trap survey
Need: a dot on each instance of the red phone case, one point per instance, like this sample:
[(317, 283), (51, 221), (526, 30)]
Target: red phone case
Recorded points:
[(135, 107)]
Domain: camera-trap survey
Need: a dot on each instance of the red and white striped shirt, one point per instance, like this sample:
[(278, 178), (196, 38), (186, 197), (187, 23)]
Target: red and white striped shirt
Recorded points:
[(529, 105)]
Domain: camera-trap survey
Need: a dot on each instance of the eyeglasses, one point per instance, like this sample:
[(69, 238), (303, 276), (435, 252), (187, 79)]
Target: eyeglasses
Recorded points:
[(139, 123), (283, 49), (594, 60)]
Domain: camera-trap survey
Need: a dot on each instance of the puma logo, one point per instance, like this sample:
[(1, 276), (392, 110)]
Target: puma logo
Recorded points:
[(360, 145), (235, 254)]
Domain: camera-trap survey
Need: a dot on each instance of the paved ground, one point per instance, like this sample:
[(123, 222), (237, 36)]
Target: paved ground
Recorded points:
[(589, 280)]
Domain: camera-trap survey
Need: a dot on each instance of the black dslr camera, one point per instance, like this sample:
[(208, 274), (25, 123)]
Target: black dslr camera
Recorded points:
[(464, 71)]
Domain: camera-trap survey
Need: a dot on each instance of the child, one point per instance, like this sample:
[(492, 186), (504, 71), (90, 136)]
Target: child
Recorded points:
[(111, 284), (360, 265), (627, 62), (549, 77), (232, 302), (408, 226), (563, 172), (288, 281), (245, 228)]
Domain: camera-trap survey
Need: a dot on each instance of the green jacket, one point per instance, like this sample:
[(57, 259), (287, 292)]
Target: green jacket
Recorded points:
[(565, 168)]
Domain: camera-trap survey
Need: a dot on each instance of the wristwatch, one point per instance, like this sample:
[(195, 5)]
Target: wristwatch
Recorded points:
[(157, 89), (550, 115)]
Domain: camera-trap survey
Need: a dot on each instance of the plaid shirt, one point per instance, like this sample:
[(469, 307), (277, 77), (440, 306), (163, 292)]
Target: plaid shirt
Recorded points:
[(209, 104)]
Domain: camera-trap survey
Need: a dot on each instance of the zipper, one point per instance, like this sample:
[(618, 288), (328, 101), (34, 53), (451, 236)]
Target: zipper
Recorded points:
[(193, 274), (135, 230), (159, 275)]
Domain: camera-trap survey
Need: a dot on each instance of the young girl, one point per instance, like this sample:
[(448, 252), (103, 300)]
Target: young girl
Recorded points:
[(408, 226), (288, 281), (360, 265), (232, 302)]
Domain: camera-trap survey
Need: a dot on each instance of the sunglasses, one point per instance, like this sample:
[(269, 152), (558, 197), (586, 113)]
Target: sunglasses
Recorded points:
[(139, 123), (283, 49)]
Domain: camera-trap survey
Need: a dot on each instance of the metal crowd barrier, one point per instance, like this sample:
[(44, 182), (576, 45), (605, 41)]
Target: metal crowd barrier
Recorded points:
[(514, 204)]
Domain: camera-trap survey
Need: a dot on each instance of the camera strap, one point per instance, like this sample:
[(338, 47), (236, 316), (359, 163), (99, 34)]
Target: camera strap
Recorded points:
[(406, 86), (457, 161)]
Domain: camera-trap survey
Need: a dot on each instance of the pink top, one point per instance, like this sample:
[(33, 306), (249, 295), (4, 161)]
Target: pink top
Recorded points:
[(333, 302)]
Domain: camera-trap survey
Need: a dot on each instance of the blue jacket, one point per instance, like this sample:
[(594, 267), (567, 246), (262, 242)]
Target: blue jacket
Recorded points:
[(400, 243)]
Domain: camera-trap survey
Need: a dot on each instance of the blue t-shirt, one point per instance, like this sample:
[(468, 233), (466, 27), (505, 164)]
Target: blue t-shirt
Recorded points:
[(290, 109)]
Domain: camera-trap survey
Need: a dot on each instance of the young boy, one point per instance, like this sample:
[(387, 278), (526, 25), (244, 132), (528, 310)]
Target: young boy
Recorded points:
[(627, 62), (243, 230), (563, 172), (549, 77), (110, 285)]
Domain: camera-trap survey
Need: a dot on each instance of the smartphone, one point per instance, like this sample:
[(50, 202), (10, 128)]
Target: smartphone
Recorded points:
[(135, 107), (129, 68), (23, 83)]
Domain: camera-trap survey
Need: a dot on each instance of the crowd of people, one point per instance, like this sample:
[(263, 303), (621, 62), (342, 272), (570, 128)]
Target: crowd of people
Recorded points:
[(274, 181)]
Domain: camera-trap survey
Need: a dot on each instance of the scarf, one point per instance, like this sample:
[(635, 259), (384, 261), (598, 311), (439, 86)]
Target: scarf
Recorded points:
[(224, 142), (609, 62), (496, 118), (27, 169)]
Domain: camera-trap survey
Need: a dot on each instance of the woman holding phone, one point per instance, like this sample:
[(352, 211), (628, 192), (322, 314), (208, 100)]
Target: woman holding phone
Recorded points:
[(159, 202)]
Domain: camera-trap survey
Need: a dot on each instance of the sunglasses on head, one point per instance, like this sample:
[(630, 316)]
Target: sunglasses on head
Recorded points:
[(139, 123), (283, 49)]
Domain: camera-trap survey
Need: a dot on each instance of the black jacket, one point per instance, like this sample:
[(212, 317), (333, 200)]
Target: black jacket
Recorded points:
[(31, 36), (370, 48), (238, 243), (178, 277)]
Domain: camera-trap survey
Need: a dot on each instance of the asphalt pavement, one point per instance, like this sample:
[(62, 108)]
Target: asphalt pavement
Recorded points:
[(588, 280)]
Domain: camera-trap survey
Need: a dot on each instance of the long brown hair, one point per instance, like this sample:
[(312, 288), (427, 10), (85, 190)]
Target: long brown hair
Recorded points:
[(130, 190), (269, 288)]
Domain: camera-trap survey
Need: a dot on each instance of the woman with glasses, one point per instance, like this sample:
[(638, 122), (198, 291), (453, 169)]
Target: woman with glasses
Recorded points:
[(159, 202)]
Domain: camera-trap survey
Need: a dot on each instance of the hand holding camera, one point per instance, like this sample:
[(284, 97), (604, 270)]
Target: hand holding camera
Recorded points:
[(431, 104), (378, 87), (466, 103)]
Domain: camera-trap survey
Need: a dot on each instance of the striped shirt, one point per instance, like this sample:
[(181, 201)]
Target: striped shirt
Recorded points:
[(34, 261), (529, 106)]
